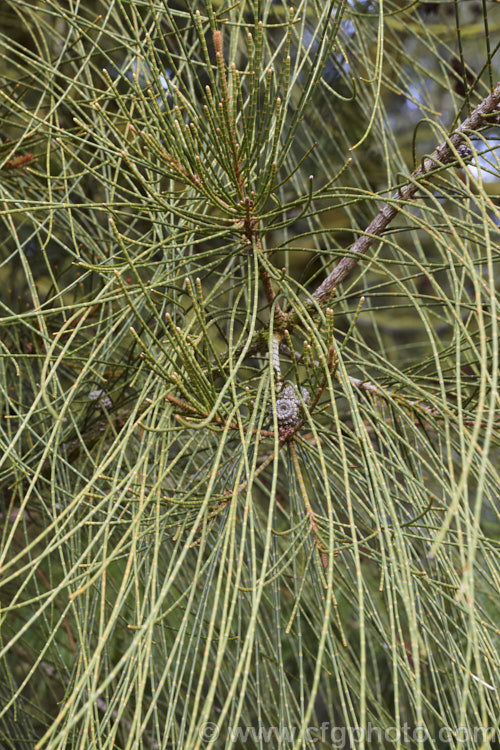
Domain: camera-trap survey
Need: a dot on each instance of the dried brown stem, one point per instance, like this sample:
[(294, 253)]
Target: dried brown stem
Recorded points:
[(18, 162)]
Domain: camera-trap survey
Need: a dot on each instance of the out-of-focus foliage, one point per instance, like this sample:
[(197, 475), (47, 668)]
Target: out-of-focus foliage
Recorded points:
[(175, 179)]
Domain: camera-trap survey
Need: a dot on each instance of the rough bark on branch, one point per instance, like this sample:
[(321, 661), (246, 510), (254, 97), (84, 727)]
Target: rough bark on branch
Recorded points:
[(442, 155)]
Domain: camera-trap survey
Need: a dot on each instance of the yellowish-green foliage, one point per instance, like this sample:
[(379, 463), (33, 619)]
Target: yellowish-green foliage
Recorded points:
[(233, 499)]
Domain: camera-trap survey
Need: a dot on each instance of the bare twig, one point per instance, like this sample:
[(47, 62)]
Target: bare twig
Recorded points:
[(442, 155)]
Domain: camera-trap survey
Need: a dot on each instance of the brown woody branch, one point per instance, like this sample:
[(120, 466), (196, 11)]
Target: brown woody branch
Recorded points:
[(442, 155)]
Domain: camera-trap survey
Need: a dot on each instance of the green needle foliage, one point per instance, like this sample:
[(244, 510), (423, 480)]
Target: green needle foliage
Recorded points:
[(249, 360)]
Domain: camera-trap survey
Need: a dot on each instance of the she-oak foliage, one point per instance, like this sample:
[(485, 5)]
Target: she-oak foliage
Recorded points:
[(249, 374)]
